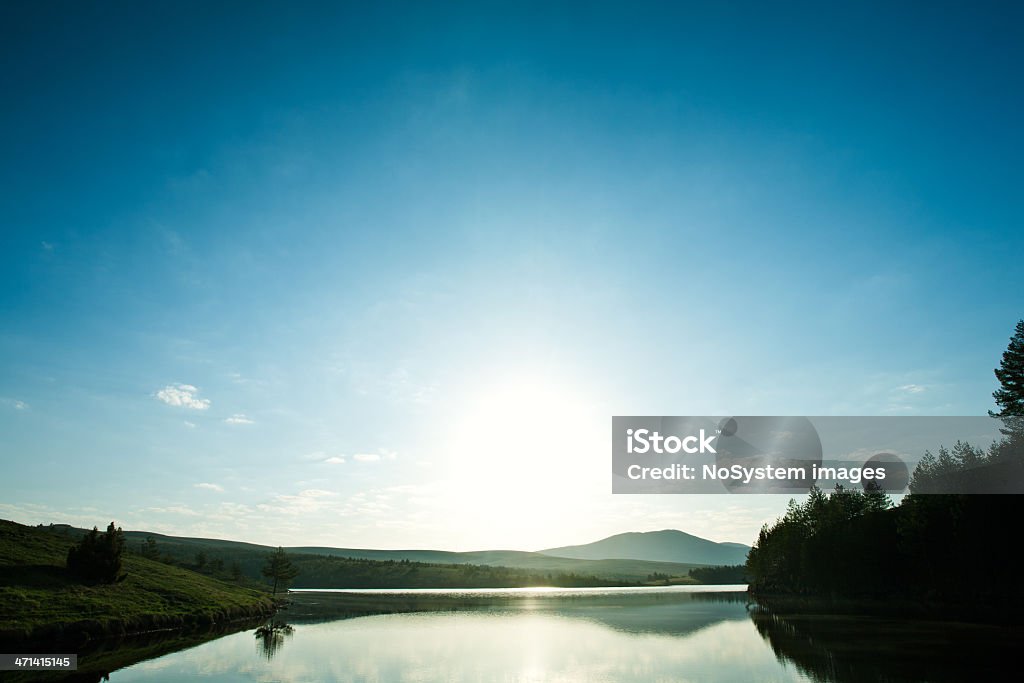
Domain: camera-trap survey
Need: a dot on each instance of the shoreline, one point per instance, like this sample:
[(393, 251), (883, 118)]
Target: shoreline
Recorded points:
[(84, 631), (796, 606)]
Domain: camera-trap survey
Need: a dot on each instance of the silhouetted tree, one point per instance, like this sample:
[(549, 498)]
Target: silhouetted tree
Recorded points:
[(200, 559), (1010, 394), (149, 549), (946, 542), (1010, 373), (97, 557), (279, 569), (875, 497)]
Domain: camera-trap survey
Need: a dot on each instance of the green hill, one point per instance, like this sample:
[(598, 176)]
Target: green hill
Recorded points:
[(669, 545), (250, 557), (625, 570), (40, 600), (433, 565)]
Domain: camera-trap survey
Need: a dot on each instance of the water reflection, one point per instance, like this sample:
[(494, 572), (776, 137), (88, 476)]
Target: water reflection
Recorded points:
[(573, 636), (676, 610), (270, 637), (668, 634), (850, 649), (98, 659)]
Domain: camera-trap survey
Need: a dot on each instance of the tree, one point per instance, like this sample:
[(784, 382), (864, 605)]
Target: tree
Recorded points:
[(97, 557), (875, 497), (1010, 373), (200, 559), (149, 549), (279, 569), (236, 571)]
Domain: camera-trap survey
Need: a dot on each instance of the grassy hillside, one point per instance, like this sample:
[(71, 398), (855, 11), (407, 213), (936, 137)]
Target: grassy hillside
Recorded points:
[(609, 570), (504, 567), (250, 558), (669, 545), (342, 572), (38, 599)]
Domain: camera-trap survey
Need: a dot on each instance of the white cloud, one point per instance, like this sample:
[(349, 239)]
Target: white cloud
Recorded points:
[(911, 388), (381, 454), (173, 510), (304, 502), (190, 425), (239, 419), (20, 405), (183, 396), (210, 487), (335, 460), (316, 493)]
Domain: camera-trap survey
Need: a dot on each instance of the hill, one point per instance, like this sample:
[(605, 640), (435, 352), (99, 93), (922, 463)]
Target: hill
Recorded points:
[(249, 557), (40, 600), (669, 545), (309, 560)]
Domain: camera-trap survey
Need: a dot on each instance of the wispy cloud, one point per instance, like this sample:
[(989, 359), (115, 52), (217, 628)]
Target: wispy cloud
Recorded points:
[(14, 403), (911, 388), (173, 510), (239, 419), (304, 502), (322, 458), (381, 454), (210, 487), (183, 396)]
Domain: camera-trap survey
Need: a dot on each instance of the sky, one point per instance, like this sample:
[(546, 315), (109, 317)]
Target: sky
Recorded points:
[(379, 275)]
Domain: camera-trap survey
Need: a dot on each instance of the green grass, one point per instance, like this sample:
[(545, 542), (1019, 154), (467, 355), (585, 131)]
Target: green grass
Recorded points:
[(39, 599), (325, 567), (309, 560)]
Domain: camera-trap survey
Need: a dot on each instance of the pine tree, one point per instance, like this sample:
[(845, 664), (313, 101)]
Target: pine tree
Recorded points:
[(875, 497), (1010, 373), (279, 569), (97, 557), (149, 549)]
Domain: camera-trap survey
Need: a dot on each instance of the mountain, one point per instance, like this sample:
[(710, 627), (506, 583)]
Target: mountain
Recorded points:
[(250, 557), (668, 545)]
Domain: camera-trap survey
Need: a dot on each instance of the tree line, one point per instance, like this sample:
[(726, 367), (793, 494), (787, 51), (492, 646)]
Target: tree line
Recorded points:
[(949, 548), (98, 558)]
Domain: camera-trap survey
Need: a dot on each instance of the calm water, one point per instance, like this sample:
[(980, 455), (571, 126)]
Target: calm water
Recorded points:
[(651, 634)]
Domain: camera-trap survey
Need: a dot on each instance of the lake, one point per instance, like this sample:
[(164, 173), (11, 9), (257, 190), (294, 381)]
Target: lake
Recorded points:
[(678, 633)]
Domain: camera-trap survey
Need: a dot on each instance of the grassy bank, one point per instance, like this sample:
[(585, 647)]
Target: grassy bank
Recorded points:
[(39, 601)]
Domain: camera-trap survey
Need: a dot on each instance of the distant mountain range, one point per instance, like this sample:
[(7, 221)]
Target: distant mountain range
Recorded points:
[(668, 545), (630, 556)]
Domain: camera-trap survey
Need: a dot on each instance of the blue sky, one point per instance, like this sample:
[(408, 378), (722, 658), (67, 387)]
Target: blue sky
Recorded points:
[(275, 272)]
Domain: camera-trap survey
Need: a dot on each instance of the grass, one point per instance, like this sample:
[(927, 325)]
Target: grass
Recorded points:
[(39, 600)]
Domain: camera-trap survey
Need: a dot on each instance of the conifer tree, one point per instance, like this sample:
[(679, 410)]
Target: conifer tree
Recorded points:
[(279, 569), (1010, 394)]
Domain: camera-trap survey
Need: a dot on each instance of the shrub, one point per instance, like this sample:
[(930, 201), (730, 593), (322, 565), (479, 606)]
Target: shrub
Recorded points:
[(97, 557)]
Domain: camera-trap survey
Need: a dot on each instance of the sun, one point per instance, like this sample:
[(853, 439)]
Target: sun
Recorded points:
[(522, 451)]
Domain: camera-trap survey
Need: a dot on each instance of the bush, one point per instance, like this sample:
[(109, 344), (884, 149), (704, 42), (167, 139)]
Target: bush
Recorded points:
[(98, 556)]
